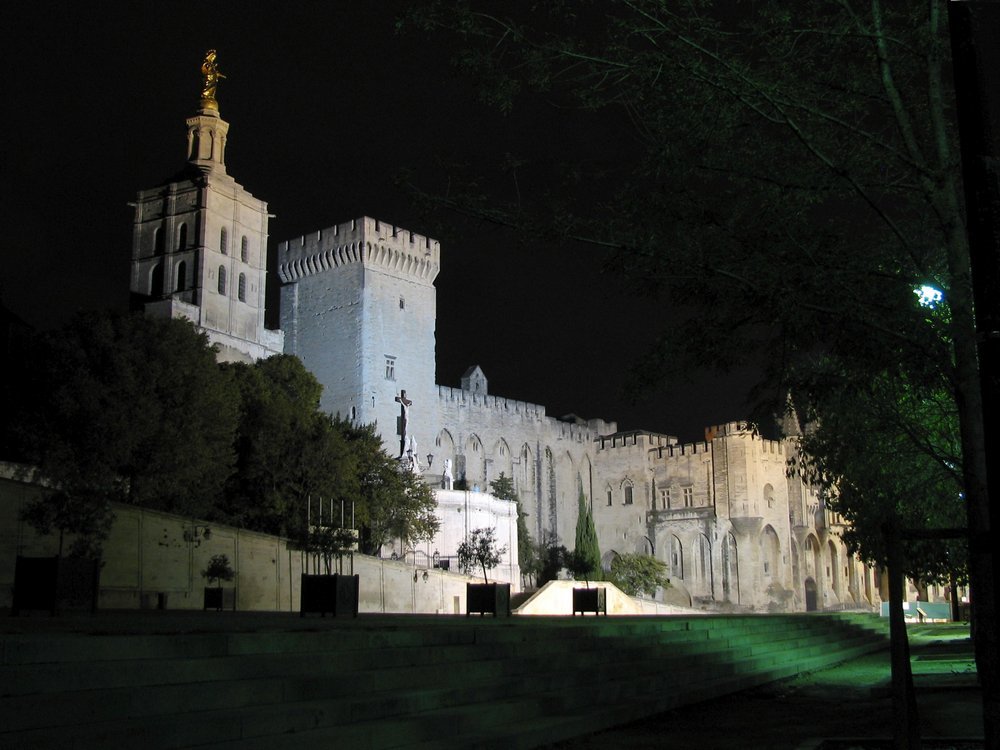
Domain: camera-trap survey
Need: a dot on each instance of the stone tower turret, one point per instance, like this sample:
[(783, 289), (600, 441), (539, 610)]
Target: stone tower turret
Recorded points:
[(358, 306), (199, 246)]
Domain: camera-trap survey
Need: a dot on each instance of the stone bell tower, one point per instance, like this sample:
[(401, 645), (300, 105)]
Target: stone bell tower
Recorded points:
[(199, 243)]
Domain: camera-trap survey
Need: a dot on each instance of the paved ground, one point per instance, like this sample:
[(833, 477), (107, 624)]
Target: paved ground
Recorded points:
[(850, 701), (803, 713)]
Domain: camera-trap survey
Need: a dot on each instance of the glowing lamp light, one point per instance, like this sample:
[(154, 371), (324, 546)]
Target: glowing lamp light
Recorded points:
[(928, 296)]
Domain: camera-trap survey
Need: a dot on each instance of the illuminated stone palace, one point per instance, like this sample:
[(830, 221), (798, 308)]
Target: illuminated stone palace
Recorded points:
[(358, 306)]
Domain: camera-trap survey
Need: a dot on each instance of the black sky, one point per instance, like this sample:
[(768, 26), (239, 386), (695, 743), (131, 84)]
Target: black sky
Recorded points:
[(327, 106)]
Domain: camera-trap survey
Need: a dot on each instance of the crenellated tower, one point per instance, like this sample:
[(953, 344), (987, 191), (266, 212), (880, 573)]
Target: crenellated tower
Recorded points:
[(199, 243), (358, 306)]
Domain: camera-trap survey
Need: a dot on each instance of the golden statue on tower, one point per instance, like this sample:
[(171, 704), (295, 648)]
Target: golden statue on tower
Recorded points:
[(211, 75)]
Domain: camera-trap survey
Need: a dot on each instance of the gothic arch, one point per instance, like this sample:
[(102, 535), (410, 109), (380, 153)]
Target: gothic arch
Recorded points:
[(180, 283), (503, 461), (525, 480), (156, 280), (606, 559), (770, 555), (675, 557), (583, 479), (812, 557), (475, 462), (704, 574), (567, 482), (796, 566), (730, 570), (548, 511), (444, 448), (835, 578)]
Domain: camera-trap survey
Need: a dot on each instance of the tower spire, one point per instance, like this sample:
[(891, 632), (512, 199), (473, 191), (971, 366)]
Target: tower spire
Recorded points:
[(207, 131)]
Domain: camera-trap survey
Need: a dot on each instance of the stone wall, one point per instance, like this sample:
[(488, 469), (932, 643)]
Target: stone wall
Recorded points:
[(154, 559)]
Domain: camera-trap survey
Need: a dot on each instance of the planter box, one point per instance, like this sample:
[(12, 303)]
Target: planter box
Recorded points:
[(55, 584), (337, 594), (219, 598), (487, 598), (590, 600)]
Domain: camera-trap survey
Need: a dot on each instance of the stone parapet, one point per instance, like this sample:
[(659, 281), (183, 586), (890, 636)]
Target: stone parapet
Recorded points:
[(365, 240)]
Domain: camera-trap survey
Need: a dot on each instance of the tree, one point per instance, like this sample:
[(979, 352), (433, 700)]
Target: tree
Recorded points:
[(638, 574), (392, 502), (795, 180), (908, 478), (289, 452), (480, 549), (586, 558), (124, 408), (503, 488)]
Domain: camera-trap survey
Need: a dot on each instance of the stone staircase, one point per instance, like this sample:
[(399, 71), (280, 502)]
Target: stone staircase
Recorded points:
[(405, 682)]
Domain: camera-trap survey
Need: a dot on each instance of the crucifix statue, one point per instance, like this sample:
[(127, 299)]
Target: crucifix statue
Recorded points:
[(401, 421)]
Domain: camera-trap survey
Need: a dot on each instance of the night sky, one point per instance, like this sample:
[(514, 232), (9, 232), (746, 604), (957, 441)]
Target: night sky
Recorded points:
[(327, 107)]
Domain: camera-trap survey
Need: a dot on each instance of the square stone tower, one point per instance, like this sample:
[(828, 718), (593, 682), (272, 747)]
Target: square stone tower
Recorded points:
[(199, 247), (358, 306)]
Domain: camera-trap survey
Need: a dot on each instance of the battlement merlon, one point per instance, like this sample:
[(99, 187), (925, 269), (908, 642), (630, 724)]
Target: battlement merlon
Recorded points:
[(365, 240)]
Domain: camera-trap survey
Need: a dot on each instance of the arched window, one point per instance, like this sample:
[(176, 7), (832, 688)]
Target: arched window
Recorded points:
[(222, 279), (156, 280), (181, 283), (241, 289), (627, 490), (244, 249), (158, 241), (224, 241), (182, 236)]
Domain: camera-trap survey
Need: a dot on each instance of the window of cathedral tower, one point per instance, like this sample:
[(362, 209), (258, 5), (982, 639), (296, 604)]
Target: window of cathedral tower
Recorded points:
[(156, 280), (688, 497), (241, 290), (244, 249), (390, 368), (222, 280), (224, 241), (181, 284), (158, 241), (182, 236), (627, 488)]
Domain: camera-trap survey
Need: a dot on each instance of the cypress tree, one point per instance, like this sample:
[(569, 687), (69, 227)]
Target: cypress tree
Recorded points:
[(587, 551)]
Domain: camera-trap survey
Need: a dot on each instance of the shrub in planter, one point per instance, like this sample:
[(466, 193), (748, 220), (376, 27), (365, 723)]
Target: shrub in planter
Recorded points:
[(219, 570), (481, 550), (331, 592)]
